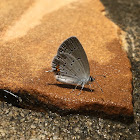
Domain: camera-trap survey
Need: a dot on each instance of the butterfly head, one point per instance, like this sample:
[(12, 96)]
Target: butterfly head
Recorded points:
[(91, 79)]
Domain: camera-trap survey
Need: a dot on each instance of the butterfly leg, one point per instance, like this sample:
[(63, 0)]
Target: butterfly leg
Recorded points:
[(49, 71), (76, 87), (81, 88), (90, 88)]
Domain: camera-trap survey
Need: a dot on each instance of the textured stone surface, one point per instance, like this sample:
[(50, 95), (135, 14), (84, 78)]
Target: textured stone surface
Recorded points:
[(28, 49), (17, 123)]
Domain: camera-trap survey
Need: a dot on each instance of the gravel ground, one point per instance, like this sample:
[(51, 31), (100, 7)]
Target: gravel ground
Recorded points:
[(23, 124)]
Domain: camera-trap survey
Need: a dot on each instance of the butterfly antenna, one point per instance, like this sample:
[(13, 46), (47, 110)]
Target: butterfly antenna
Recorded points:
[(97, 82), (99, 86), (100, 75)]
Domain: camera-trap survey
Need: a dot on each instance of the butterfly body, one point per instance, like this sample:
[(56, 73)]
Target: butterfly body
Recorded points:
[(69, 80)]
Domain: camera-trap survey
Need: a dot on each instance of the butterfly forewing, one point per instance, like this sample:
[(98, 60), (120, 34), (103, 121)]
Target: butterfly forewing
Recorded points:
[(71, 61)]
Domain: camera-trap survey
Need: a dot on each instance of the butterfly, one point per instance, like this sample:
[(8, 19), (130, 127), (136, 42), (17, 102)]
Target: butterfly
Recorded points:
[(71, 65)]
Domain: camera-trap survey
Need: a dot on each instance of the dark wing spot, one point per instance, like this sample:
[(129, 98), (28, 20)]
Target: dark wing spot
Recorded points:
[(63, 46), (60, 50), (58, 57)]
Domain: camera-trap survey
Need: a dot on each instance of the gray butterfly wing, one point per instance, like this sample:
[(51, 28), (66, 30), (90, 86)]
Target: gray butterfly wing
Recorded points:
[(71, 64)]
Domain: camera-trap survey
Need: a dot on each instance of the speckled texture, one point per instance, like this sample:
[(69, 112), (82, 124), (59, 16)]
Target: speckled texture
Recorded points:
[(25, 59), (17, 123)]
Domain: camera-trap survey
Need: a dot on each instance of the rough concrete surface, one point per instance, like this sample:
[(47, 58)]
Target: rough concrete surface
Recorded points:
[(17, 123)]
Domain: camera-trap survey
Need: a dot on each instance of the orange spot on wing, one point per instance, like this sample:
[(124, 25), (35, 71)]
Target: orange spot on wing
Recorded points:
[(57, 68)]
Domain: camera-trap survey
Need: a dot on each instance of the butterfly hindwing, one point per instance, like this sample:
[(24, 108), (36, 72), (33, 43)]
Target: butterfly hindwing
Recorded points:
[(71, 62)]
